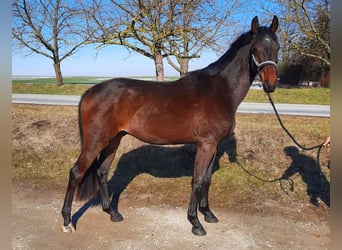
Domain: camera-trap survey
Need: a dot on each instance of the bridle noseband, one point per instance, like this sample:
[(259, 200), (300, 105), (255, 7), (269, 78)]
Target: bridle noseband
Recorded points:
[(262, 64)]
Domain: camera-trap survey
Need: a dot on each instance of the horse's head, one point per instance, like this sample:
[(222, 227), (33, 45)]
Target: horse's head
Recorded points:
[(264, 53)]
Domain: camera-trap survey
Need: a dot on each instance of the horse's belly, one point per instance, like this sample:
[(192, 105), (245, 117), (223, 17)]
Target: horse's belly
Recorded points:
[(178, 129), (161, 132)]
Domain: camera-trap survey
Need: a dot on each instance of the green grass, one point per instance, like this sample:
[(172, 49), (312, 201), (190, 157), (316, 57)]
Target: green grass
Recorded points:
[(295, 96), (77, 86), (49, 89), (66, 80)]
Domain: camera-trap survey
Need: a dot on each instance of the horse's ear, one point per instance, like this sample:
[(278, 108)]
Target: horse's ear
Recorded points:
[(255, 25), (274, 24)]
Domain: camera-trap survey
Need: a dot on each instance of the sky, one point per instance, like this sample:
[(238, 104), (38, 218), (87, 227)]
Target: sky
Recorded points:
[(108, 61), (111, 60)]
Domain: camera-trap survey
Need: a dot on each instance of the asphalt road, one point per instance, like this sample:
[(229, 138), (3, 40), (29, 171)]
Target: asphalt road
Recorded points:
[(245, 107)]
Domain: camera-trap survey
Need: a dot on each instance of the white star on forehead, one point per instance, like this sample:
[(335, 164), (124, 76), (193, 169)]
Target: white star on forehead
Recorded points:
[(267, 39)]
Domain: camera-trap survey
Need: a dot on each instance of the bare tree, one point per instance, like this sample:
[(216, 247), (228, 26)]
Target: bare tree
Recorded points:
[(306, 29), (52, 28), (141, 26), (158, 29), (305, 34), (206, 23)]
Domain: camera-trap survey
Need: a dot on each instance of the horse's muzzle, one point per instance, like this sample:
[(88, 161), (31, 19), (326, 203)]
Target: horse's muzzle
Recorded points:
[(268, 75), (269, 88)]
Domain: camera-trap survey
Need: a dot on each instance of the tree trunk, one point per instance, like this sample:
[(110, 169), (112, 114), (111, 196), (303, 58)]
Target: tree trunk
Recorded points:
[(158, 60), (58, 72), (184, 66)]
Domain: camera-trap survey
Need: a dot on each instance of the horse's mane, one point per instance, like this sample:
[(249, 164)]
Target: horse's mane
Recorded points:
[(244, 39), (226, 58)]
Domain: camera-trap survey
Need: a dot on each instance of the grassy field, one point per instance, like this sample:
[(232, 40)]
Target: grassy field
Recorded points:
[(46, 144), (77, 86)]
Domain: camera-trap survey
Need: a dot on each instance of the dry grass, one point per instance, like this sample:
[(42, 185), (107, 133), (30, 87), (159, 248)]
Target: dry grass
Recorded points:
[(46, 145)]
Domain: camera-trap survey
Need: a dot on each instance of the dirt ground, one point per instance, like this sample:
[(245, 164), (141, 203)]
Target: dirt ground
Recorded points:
[(37, 221), (150, 222)]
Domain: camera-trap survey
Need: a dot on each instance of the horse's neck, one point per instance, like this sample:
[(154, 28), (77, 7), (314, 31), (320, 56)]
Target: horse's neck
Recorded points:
[(238, 77)]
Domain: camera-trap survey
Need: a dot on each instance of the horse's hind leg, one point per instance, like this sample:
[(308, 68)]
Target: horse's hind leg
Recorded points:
[(77, 172), (106, 158), (69, 196)]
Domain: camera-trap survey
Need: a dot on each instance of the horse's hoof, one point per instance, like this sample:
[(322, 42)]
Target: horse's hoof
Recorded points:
[(68, 229), (116, 217), (210, 218), (199, 231)]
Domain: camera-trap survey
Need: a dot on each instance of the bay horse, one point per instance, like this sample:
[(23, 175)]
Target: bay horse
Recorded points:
[(199, 108)]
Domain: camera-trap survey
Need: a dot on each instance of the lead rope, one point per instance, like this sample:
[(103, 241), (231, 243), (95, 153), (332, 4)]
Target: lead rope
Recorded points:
[(319, 146), (282, 178)]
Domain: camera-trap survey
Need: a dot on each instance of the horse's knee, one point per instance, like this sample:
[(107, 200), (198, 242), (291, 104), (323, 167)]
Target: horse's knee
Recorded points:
[(200, 185), (197, 184)]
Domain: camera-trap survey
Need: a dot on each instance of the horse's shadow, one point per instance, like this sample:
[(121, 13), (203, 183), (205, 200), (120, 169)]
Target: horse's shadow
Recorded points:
[(158, 161), (311, 173)]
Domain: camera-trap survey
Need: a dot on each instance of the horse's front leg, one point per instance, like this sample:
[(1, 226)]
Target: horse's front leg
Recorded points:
[(204, 157), (204, 203), (197, 227)]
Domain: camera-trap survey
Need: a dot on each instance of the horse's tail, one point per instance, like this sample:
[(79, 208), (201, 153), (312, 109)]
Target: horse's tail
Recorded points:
[(88, 187), (80, 118)]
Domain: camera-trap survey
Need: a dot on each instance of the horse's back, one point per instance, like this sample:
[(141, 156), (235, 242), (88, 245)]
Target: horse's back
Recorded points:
[(125, 90)]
